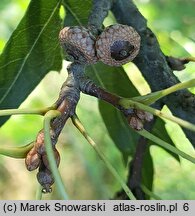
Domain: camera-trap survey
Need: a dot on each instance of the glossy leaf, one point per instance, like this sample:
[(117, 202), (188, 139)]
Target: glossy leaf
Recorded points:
[(160, 131), (31, 52), (147, 171)]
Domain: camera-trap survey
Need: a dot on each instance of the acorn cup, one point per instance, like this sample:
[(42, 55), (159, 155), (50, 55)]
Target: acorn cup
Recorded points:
[(79, 44), (117, 45)]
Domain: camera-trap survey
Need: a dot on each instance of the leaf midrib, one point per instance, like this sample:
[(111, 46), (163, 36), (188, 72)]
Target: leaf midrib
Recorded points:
[(29, 53)]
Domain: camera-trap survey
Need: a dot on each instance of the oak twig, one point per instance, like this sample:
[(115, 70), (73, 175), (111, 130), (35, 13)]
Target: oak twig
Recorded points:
[(178, 64), (98, 13)]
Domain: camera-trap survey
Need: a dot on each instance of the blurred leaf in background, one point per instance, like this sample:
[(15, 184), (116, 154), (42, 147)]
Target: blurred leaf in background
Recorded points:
[(11, 13), (173, 22)]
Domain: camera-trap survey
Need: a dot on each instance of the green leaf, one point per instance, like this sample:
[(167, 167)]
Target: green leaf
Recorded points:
[(31, 52), (77, 12), (147, 171), (116, 81), (160, 131)]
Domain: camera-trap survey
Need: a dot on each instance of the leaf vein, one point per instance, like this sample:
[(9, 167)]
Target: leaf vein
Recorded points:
[(29, 53)]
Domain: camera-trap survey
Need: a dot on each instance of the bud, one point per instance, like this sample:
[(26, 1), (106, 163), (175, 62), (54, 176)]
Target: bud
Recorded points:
[(45, 179), (32, 160), (56, 155), (135, 122)]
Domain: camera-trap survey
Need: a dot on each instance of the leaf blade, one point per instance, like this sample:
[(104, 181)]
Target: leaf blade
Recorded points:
[(31, 52), (148, 171), (160, 131)]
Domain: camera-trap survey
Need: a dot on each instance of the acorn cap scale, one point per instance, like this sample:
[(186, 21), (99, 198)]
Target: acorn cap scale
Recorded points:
[(117, 45), (79, 44)]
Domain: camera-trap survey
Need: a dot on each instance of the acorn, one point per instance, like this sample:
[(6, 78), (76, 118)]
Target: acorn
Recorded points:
[(117, 45), (79, 44)]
